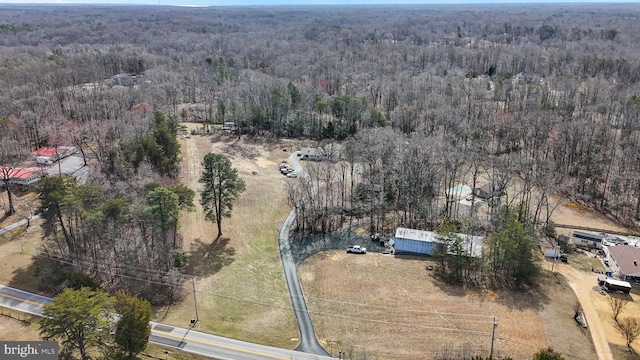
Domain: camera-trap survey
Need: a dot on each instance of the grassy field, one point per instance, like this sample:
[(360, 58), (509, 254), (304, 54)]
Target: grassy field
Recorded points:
[(241, 289), (382, 307), (391, 307), (585, 263)]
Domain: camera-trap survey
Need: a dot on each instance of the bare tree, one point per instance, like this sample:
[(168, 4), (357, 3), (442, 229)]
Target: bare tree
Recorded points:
[(617, 305), (629, 327), (11, 154)]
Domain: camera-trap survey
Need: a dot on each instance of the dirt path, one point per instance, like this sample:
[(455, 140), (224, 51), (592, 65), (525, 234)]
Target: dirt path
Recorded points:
[(583, 285), (570, 213)]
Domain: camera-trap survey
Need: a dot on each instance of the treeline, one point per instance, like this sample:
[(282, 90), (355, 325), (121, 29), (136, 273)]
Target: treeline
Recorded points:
[(119, 230), (422, 97), (554, 88)]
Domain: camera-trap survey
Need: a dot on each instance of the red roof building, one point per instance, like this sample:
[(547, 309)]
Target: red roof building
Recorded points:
[(45, 151), (55, 153), (22, 176)]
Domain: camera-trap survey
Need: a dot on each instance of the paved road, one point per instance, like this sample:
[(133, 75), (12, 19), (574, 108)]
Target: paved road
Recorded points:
[(308, 340), (179, 339), (206, 344), (17, 224)]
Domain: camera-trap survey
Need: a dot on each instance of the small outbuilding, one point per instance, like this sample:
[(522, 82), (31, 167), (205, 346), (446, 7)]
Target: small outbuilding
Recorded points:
[(420, 242)]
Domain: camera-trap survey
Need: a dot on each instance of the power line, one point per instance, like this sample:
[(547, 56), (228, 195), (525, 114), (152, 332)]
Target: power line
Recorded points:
[(396, 308), (319, 313)]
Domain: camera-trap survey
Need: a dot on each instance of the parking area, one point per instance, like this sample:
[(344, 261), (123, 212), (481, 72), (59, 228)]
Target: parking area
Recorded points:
[(71, 165)]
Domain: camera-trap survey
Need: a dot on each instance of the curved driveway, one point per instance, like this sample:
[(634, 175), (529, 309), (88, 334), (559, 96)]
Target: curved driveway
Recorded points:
[(308, 340)]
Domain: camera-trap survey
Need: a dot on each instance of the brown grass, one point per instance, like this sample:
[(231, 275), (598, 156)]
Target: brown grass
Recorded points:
[(386, 307), (393, 308), (242, 292)]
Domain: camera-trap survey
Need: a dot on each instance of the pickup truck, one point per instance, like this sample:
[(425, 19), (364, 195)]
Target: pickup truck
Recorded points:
[(356, 249)]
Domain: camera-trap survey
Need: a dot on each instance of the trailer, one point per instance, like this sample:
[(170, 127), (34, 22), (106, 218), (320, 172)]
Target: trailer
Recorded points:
[(610, 284)]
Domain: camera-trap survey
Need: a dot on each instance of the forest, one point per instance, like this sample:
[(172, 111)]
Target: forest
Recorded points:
[(540, 99)]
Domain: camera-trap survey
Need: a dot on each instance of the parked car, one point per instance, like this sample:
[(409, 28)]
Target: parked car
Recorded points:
[(469, 197), (356, 249), (564, 258), (292, 175)]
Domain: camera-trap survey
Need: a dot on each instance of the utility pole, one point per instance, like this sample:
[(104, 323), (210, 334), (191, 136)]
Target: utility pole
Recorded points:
[(195, 302), (493, 334), (193, 321)]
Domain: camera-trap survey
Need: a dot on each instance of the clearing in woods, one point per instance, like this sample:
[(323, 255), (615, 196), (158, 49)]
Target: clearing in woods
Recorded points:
[(387, 307)]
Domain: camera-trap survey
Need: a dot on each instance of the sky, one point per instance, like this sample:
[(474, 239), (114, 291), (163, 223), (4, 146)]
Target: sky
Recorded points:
[(300, 2)]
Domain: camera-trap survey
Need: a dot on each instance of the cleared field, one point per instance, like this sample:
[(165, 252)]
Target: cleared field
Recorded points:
[(241, 290), (393, 308), (381, 306)]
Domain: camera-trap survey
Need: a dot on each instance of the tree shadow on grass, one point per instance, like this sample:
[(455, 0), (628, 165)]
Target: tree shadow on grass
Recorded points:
[(27, 278), (209, 258), (535, 297), (622, 352)]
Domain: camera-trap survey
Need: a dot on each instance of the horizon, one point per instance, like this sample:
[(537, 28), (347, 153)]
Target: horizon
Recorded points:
[(276, 3)]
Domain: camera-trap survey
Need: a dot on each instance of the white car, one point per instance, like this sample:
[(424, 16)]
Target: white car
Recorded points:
[(356, 249), (292, 175)]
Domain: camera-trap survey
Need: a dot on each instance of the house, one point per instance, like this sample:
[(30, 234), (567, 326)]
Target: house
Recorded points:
[(528, 78), (587, 240), (623, 261), (44, 160), (123, 80), (420, 242), (54, 153), (312, 154), (330, 152), (25, 177)]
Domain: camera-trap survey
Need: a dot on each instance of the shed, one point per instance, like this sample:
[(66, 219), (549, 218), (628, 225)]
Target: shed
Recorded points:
[(420, 242)]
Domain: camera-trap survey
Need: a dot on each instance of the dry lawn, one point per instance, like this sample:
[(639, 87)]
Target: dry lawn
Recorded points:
[(241, 289), (391, 307), (382, 306), (616, 341)]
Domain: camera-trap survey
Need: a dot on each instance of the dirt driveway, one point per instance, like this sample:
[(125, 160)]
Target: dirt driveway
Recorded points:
[(584, 286)]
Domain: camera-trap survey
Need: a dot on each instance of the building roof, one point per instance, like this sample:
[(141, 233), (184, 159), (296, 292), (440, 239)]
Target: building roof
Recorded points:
[(45, 151), (310, 152), (21, 173), (472, 243), (615, 282), (624, 256), (459, 190), (588, 236)]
